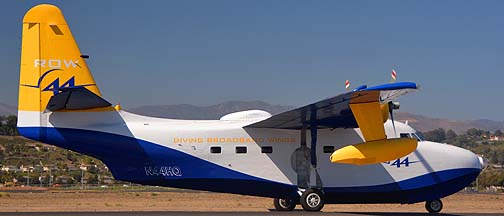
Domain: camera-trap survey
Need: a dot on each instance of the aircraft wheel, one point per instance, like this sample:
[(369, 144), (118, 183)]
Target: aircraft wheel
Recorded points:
[(284, 204), (312, 200), (434, 206)]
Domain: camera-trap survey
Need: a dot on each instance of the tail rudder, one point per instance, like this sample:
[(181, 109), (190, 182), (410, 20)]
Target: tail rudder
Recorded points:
[(50, 59)]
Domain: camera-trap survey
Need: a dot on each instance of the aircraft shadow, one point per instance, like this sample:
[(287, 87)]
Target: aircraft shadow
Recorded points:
[(299, 211), (411, 213)]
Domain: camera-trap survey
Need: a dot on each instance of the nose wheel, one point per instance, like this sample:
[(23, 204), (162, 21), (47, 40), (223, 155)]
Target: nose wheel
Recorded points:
[(434, 206), (284, 204), (312, 200)]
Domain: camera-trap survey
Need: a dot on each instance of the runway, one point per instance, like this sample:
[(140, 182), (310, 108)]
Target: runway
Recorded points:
[(175, 213), (183, 203)]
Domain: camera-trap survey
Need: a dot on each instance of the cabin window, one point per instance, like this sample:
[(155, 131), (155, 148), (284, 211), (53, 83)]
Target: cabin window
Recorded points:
[(328, 149), (241, 149), (267, 149), (405, 135), (215, 150)]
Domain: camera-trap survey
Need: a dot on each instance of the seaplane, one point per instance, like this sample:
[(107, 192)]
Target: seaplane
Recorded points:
[(343, 149)]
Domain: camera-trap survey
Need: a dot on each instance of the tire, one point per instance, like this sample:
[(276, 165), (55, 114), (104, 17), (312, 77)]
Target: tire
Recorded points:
[(312, 200), (284, 204), (434, 206)]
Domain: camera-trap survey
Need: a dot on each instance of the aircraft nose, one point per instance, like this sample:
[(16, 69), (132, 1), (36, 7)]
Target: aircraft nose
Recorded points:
[(453, 156), (467, 159)]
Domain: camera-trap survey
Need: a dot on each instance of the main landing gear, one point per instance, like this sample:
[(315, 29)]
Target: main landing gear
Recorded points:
[(434, 206), (311, 200), (284, 204)]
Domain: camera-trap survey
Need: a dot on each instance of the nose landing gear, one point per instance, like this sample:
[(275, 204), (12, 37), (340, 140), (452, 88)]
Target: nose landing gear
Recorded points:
[(434, 206)]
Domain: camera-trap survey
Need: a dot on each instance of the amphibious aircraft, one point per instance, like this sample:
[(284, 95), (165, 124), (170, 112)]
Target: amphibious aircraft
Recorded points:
[(338, 150)]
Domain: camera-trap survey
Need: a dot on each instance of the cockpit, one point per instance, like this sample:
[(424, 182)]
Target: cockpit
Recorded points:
[(402, 130), (416, 135)]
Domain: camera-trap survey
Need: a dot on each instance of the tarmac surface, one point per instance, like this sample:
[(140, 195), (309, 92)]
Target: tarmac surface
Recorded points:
[(117, 203)]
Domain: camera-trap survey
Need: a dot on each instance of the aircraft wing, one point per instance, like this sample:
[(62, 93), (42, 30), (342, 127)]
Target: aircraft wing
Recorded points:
[(340, 111)]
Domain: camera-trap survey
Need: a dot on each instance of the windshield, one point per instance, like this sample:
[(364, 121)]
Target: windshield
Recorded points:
[(419, 136)]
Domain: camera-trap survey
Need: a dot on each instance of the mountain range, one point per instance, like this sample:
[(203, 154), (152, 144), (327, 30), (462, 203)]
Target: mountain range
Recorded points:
[(186, 111), (419, 122), (423, 123)]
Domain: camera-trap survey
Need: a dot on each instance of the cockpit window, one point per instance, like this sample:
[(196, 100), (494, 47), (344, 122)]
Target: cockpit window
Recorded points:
[(418, 136), (405, 135)]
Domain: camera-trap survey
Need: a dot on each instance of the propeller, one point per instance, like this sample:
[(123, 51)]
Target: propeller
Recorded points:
[(393, 106)]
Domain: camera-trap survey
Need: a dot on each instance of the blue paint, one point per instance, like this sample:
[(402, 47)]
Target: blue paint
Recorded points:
[(417, 189), (126, 157), (361, 87), (392, 86)]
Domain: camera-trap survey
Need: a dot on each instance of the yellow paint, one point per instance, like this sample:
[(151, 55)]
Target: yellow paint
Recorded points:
[(222, 140), (370, 120), (374, 151), (47, 44), (384, 111), (118, 107), (100, 109)]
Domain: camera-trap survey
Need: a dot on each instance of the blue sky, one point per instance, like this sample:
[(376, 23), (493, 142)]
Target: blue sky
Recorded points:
[(281, 52)]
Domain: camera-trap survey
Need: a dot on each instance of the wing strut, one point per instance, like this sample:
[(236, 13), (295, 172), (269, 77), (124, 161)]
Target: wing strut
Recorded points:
[(313, 133), (305, 163), (314, 180)]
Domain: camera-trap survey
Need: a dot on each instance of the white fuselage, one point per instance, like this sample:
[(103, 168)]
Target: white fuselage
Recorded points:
[(178, 150)]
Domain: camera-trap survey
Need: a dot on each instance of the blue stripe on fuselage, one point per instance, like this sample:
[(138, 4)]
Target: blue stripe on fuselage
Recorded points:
[(127, 158)]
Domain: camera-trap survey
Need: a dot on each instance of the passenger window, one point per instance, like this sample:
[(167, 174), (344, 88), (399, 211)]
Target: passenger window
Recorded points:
[(215, 150), (241, 150), (267, 149), (328, 149), (405, 135)]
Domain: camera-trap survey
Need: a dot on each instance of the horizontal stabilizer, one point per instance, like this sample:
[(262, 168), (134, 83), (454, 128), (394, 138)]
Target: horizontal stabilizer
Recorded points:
[(76, 98)]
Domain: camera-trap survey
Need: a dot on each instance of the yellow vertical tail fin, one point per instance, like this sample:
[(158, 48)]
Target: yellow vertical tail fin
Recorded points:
[(50, 59)]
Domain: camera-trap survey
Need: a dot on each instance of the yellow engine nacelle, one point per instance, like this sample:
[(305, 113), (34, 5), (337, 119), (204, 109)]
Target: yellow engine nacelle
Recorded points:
[(373, 152)]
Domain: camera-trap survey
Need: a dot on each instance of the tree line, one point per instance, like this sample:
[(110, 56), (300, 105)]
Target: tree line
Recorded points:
[(8, 125)]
